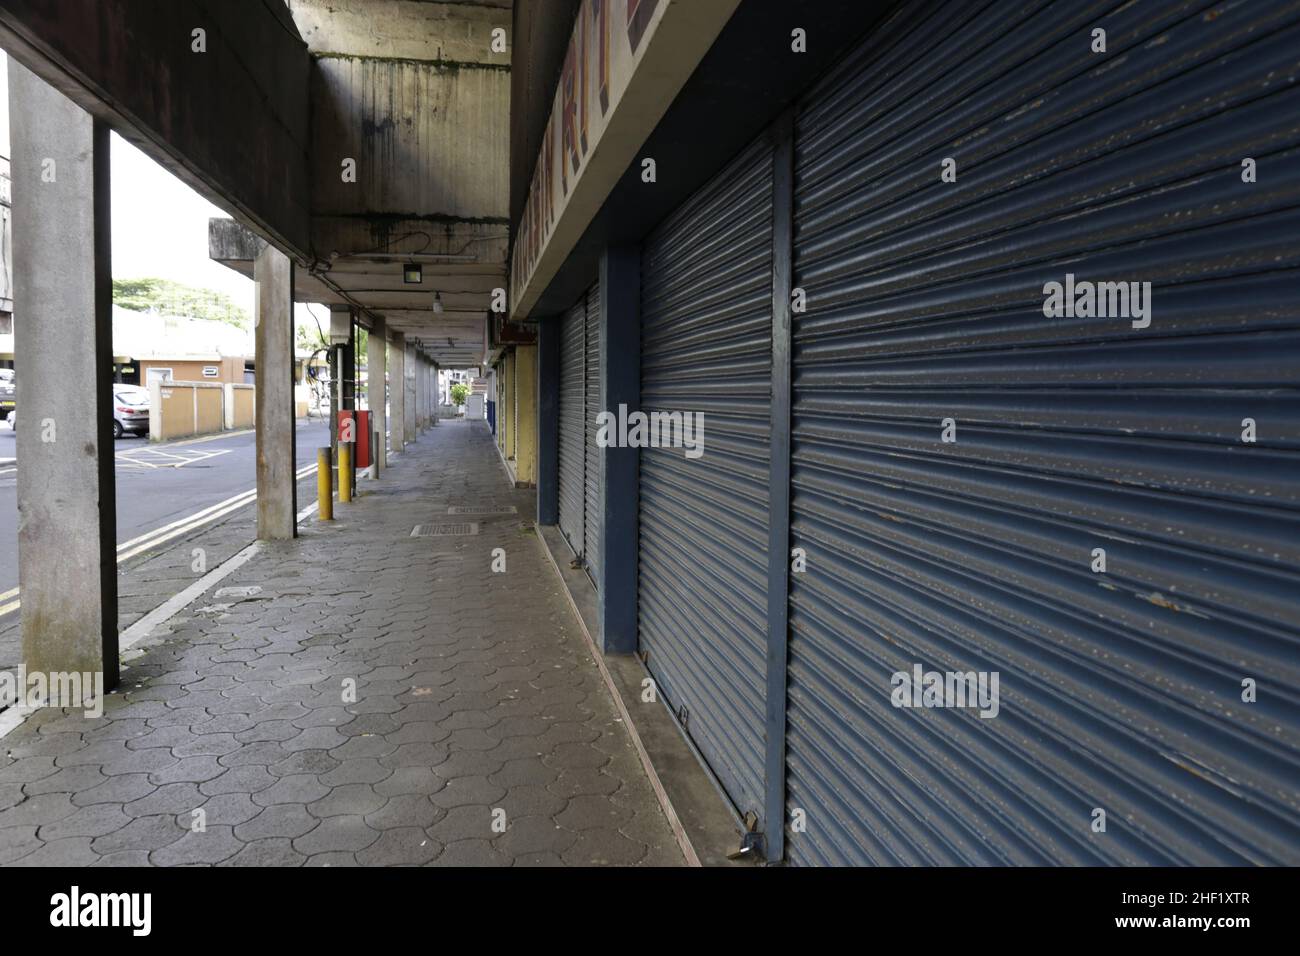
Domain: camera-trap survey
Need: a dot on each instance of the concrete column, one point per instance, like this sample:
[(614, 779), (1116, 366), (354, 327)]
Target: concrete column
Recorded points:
[(620, 384), (334, 402), (277, 491), (408, 394), (63, 338), (417, 387), (548, 421), (417, 392), (397, 398), (426, 418), (376, 372), (348, 383), (434, 397)]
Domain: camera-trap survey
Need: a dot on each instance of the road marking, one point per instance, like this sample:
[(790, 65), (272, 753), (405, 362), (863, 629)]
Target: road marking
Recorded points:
[(12, 718), (178, 602), (190, 523), (158, 458), (129, 549), (207, 514)]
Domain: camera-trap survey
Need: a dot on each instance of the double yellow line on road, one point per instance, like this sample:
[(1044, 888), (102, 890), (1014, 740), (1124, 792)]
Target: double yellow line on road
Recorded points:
[(151, 539)]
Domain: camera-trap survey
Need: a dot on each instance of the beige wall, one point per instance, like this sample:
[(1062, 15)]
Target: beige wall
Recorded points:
[(207, 411), (240, 405), (526, 416), (183, 409)]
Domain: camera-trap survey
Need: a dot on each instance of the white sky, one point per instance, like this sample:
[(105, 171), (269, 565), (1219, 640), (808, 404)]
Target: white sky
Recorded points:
[(160, 225), (160, 228)]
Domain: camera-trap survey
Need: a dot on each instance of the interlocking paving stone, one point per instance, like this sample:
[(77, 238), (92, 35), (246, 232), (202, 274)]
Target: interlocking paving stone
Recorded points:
[(472, 853), (70, 851), (347, 833), (99, 819), (400, 846), (353, 798), (213, 845), (17, 841), (375, 709), (286, 820)]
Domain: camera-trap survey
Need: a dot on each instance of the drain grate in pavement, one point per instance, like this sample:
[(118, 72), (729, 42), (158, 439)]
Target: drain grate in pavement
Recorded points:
[(444, 530), (483, 510)]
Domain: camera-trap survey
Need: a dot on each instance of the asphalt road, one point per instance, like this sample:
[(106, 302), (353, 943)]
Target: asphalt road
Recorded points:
[(157, 484)]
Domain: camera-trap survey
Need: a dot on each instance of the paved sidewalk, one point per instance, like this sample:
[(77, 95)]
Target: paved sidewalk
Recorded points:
[(150, 578), (476, 702)]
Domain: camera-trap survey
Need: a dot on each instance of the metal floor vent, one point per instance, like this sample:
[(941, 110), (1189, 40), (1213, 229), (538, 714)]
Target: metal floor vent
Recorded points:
[(483, 510), (444, 530)]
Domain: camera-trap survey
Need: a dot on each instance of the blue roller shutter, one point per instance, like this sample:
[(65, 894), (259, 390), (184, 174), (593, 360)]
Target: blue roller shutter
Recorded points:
[(706, 348), (1119, 691)]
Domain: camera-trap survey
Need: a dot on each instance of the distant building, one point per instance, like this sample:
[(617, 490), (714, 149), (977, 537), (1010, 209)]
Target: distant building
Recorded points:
[(148, 345)]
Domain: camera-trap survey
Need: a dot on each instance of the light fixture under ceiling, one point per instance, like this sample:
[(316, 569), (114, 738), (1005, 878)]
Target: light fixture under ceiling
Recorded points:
[(412, 273), (437, 303)]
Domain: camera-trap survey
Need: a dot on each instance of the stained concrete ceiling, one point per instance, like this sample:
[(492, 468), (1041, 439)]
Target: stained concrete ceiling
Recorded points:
[(417, 95), (454, 337)]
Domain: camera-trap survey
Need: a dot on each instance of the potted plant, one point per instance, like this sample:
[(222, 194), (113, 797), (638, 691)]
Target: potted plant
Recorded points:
[(459, 393)]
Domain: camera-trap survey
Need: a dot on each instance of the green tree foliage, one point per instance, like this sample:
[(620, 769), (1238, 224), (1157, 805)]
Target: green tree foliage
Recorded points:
[(174, 298), (308, 339), (459, 392)]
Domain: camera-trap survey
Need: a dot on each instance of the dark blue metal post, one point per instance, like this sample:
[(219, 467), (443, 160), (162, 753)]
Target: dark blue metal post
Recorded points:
[(620, 384), (778, 551), (548, 421)]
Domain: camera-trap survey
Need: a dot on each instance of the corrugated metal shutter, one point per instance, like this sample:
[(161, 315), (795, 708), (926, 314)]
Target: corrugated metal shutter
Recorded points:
[(1119, 691), (572, 414), (706, 348), (591, 516)]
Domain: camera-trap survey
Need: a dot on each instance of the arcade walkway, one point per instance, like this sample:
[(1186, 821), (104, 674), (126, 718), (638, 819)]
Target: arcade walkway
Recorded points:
[(361, 696)]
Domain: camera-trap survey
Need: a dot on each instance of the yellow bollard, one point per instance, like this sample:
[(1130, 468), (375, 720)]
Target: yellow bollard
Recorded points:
[(345, 472), (324, 485)]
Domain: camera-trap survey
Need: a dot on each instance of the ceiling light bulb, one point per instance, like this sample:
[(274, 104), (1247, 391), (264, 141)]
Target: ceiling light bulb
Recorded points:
[(437, 303)]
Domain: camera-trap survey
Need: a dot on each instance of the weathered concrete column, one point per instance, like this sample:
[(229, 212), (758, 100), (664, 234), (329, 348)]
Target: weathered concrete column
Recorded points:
[(397, 401), (277, 491), (434, 398), (376, 375), (417, 396), (422, 391), (63, 346), (430, 399), (408, 393)]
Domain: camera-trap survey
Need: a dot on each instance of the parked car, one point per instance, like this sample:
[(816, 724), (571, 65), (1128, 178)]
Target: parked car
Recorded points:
[(130, 410), (8, 393)]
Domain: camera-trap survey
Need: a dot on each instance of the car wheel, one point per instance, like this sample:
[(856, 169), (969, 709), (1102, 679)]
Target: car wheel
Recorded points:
[(117, 428)]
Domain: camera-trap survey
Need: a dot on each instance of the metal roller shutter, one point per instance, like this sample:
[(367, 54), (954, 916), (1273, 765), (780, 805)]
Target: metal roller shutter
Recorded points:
[(572, 431), (706, 348), (591, 514), (1120, 691)]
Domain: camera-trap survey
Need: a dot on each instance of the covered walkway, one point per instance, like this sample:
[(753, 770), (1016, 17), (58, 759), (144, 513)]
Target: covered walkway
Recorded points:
[(358, 695)]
